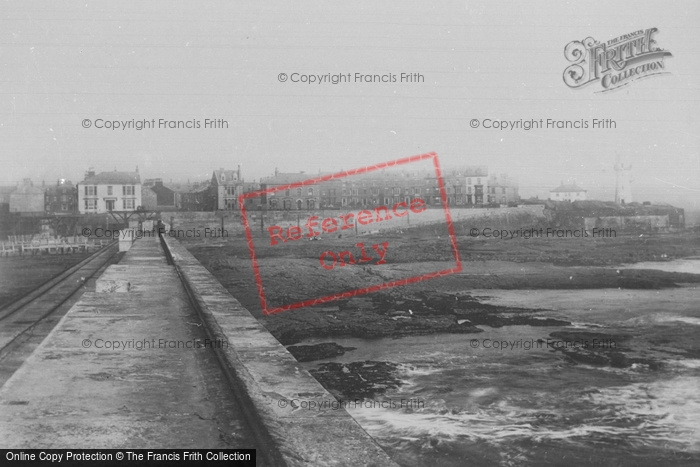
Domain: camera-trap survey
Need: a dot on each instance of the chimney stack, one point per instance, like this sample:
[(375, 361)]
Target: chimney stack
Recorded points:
[(239, 172)]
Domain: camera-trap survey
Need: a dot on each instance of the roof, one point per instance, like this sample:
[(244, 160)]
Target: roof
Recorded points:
[(287, 178), (567, 189), (230, 176), (189, 187), (117, 178), (28, 190)]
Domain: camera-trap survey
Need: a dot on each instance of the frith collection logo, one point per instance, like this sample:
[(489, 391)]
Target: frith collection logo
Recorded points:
[(615, 63)]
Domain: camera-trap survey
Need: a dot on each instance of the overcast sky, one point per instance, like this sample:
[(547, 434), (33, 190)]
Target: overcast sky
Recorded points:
[(63, 62)]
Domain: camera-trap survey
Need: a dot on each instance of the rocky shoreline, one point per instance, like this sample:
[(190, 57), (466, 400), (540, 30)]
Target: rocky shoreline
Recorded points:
[(310, 353), (443, 305), (396, 314)]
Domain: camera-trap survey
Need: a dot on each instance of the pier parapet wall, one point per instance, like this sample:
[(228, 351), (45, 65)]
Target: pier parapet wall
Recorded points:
[(268, 380)]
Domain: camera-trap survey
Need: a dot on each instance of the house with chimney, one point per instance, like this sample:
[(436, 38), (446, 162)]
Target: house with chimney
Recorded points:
[(61, 198), (477, 185), (288, 199), (156, 196), (226, 186), (109, 191), (503, 189), (194, 196)]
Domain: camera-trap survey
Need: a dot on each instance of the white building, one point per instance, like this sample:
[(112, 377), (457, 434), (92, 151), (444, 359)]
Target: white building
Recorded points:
[(477, 185), (109, 191), (567, 193)]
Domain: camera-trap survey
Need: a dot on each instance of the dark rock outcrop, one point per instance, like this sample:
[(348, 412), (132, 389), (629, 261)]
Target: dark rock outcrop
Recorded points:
[(309, 353)]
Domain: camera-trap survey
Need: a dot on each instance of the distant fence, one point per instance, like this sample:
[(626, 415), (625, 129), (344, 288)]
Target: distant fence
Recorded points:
[(32, 244)]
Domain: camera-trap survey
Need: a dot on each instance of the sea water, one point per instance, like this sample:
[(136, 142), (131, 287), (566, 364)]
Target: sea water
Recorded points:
[(482, 405)]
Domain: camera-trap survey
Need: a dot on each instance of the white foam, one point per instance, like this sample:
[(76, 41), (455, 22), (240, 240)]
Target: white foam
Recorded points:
[(659, 412)]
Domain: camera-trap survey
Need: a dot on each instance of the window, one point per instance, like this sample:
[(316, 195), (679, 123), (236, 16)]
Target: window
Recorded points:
[(128, 203), (64, 207), (478, 181), (231, 190), (299, 192), (90, 190), (469, 181), (90, 204), (128, 190), (311, 191), (287, 192), (110, 190)]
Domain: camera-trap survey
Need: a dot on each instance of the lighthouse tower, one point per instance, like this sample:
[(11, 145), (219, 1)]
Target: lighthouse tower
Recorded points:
[(623, 189)]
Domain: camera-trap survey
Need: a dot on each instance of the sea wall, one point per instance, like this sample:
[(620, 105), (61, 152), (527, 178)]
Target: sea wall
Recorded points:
[(260, 222)]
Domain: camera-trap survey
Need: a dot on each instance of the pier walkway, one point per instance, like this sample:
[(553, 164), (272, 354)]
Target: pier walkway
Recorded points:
[(78, 390), (161, 356)]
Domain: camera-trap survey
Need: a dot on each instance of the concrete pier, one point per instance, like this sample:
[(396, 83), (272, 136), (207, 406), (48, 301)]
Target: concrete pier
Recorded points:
[(162, 356), (79, 390), (273, 383)]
